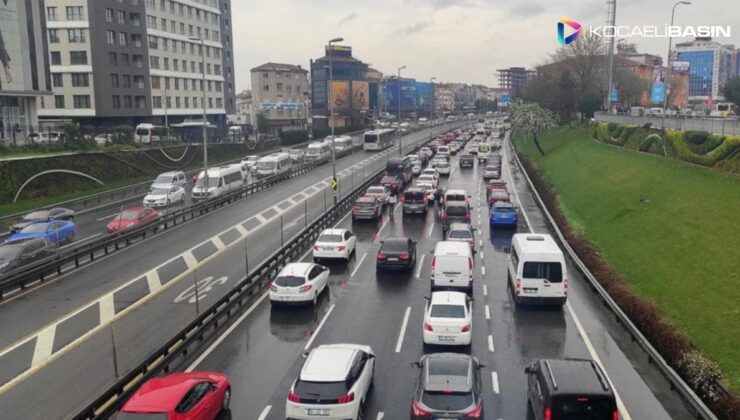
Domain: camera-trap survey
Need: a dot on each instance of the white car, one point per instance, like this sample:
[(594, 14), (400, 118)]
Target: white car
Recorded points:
[(103, 139), (334, 243), (430, 171), (299, 283), (416, 169), (163, 197), (333, 383), (448, 319), (170, 179), (427, 179), (443, 168), (426, 151)]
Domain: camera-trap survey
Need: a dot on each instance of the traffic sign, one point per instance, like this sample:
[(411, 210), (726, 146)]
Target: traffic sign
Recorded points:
[(334, 184)]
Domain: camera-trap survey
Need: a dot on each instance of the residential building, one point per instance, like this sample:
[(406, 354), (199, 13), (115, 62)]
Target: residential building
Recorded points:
[(280, 94), (24, 74), (709, 67), (514, 78), (444, 99), (243, 108), (128, 62)]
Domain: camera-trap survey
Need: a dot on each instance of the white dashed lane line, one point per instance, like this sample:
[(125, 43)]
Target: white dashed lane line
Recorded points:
[(494, 383), (264, 413), (405, 322), (490, 343)]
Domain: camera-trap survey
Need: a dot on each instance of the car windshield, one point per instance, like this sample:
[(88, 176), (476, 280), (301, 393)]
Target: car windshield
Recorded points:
[(442, 164), (9, 252), (456, 211), (429, 178), (201, 182), (413, 197), (499, 194), (551, 271), (460, 234), (267, 165), (455, 197), (36, 215), (129, 214), (159, 191), (394, 246), (447, 311), (504, 210), (364, 204), (376, 190), (141, 416), (35, 228), (289, 281), (447, 401), (320, 390), (163, 179), (330, 238), (582, 408)]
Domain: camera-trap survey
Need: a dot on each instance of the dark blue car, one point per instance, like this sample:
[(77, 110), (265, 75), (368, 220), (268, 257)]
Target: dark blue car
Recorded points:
[(503, 214), (56, 231)]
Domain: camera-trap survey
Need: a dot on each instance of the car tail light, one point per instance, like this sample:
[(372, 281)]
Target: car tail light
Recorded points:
[(273, 287), (315, 247), (381, 256), (518, 286), (434, 262), (404, 257), (475, 413), (615, 415), (417, 411), (305, 288), (341, 248), (428, 326), (344, 399), (293, 397), (548, 413), (465, 328), (467, 217)]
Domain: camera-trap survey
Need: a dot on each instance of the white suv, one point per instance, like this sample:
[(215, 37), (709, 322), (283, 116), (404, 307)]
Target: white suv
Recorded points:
[(333, 384)]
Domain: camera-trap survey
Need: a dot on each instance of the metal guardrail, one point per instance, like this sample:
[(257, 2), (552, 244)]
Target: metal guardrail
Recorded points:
[(677, 383), (721, 126)]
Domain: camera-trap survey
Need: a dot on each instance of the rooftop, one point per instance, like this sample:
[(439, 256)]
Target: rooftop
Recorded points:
[(270, 66)]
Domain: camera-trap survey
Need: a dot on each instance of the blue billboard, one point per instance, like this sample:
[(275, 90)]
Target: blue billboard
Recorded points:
[(424, 93), (505, 99), (657, 93), (408, 95)]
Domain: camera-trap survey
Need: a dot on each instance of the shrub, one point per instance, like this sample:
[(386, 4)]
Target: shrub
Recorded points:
[(701, 373), (696, 137)]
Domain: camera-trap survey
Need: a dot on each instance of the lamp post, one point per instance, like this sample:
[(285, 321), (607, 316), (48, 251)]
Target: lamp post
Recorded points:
[(668, 58), (431, 99), (400, 153), (205, 122), (331, 116)]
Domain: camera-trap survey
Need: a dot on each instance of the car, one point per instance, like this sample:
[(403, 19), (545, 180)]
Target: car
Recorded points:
[(569, 388), (381, 192), (170, 179), (503, 214), (428, 190), (459, 195), (132, 217), (454, 147), (396, 253), (393, 182), (467, 161), (426, 153), (334, 383), (56, 231), (414, 200), (46, 215), (452, 267), (448, 386), (495, 185), (461, 232), (20, 253), (498, 195), (454, 212), (443, 168), (427, 179), (535, 270), (251, 162), (334, 243), (297, 155), (367, 208), (492, 172), (416, 168), (104, 139), (299, 283), (182, 396), (162, 197), (430, 171), (448, 319)]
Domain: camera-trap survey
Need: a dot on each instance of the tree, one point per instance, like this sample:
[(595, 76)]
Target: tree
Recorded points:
[(263, 124), (630, 86), (589, 103), (585, 59), (529, 120), (731, 90)]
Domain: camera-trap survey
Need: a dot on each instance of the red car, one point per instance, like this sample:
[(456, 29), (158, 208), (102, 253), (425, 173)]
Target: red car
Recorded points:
[(498, 195), (131, 217), (495, 185), (180, 396)]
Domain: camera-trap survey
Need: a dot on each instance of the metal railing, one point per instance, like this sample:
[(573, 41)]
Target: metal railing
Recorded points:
[(721, 126)]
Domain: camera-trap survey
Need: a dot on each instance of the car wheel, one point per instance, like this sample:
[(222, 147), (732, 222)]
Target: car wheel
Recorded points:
[(227, 400)]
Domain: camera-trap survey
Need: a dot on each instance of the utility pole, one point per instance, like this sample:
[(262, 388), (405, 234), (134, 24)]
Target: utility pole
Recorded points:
[(668, 57), (398, 132), (611, 19), (331, 116), (205, 122)]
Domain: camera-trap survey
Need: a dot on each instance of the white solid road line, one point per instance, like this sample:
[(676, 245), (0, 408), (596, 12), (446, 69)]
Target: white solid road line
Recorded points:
[(485, 290), (321, 324), (359, 263), (107, 217), (380, 416), (403, 329), (264, 413), (490, 343), (488, 312), (494, 382), (419, 265), (513, 187)]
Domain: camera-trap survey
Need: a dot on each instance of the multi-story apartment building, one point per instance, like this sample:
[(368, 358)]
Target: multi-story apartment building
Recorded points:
[(243, 111), (444, 99), (280, 93), (132, 61)]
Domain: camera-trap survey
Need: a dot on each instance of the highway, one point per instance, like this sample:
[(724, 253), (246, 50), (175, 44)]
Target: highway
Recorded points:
[(136, 299)]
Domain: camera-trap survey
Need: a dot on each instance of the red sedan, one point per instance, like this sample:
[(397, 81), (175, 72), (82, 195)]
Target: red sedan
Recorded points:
[(498, 195), (180, 396), (131, 217)]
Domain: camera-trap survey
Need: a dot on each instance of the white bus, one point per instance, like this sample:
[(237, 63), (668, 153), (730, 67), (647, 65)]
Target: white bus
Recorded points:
[(318, 151), (145, 134), (274, 164), (379, 139), (220, 181)]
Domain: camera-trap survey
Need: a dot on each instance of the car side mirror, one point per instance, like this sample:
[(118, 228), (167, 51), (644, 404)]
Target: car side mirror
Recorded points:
[(480, 366), (304, 354), (529, 370), (415, 364)]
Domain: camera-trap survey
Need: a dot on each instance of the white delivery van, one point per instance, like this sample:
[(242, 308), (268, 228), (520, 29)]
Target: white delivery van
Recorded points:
[(274, 164), (318, 151), (343, 145), (220, 181), (452, 266), (536, 270), (484, 151)]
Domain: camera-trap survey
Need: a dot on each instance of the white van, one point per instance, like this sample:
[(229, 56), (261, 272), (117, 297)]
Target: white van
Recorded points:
[(536, 270), (220, 181), (274, 164), (147, 134), (343, 145), (452, 266), (318, 151), (484, 151)]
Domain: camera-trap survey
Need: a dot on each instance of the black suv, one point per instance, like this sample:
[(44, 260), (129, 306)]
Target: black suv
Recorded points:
[(448, 386), (569, 389), (467, 161), (454, 212)]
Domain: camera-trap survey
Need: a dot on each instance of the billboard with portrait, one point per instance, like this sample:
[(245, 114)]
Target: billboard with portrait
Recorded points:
[(340, 95), (11, 46), (360, 95), (657, 92)]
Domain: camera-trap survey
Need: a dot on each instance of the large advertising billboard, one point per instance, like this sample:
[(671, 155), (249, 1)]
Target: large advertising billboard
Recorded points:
[(424, 95), (360, 95), (407, 95), (340, 95), (11, 50), (657, 92)]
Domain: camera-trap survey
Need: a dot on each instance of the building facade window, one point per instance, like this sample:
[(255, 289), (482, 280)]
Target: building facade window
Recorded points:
[(53, 36), (114, 82), (78, 57), (80, 80), (77, 35), (116, 102), (51, 15), (127, 102), (122, 39), (75, 13), (81, 101), (57, 79), (121, 17), (56, 58), (126, 81), (110, 37), (109, 15), (59, 101)]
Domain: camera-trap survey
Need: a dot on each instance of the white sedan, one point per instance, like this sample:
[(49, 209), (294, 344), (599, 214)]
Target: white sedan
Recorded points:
[(448, 319), (299, 283), (443, 168), (430, 171), (162, 197), (427, 179), (334, 243)]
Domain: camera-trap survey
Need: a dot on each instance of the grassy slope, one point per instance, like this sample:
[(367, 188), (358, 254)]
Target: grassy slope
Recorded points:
[(680, 248)]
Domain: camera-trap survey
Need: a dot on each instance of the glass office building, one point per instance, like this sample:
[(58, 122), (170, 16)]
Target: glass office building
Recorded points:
[(701, 66)]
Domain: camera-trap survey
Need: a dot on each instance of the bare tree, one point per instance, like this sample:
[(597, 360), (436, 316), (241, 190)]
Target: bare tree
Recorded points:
[(585, 59)]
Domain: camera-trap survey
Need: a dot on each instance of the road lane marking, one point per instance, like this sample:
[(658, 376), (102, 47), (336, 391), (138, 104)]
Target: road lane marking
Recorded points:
[(380, 416), (490, 343), (494, 382), (44, 345), (431, 227), (264, 413), (419, 265), (480, 243), (321, 324), (483, 270), (359, 263), (107, 217), (516, 194), (485, 290), (218, 243), (482, 255), (190, 260), (107, 308), (488, 312), (403, 329), (242, 230)]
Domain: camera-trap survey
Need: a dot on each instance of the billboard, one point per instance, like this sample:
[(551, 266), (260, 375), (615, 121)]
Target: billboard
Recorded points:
[(11, 46), (682, 66), (657, 92), (340, 95), (360, 95), (407, 95), (424, 94), (505, 99)]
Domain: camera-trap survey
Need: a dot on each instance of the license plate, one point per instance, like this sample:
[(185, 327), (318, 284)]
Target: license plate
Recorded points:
[(446, 338), (327, 248), (530, 290), (318, 411), (392, 259)]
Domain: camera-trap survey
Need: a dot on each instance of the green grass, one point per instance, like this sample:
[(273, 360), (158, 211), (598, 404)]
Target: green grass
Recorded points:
[(671, 229)]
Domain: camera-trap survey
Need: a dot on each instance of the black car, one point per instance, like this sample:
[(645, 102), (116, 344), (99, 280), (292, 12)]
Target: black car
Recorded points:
[(18, 254), (467, 161), (569, 389), (402, 167), (455, 212), (393, 182), (396, 254), (414, 200), (47, 215), (448, 386)]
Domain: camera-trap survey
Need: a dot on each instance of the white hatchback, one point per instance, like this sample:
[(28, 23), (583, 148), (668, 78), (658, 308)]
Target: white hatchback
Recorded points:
[(334, 243), (333, 384), (299, 283), (448, 319), (430, 171), (443, 168)]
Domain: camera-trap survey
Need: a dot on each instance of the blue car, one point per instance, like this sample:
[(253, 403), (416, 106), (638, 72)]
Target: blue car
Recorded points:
[(56, 231), (503, 214)]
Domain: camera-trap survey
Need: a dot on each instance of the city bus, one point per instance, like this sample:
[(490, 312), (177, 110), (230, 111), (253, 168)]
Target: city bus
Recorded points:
[(379, 139), (192, 131), (725, 109), (149, 134)]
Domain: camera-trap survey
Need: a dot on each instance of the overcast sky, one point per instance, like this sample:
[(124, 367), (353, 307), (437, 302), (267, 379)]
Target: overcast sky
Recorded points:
[(453, 40)]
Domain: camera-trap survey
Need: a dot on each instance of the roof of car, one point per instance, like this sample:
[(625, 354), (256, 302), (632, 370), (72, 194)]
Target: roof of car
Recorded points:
[(333, 232), (414, 190), (456, 192), (502, 204), (365, 199), (164, 393), (575, 376), (457, 204), (329, 363), (459, 226), (395, 239), (448, 371), (295, 269), (459, 298)]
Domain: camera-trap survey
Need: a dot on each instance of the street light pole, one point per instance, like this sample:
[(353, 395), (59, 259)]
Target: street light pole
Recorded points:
[(431, 100), (331, 117), (400, 139), (205, 122), (668, 58)]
